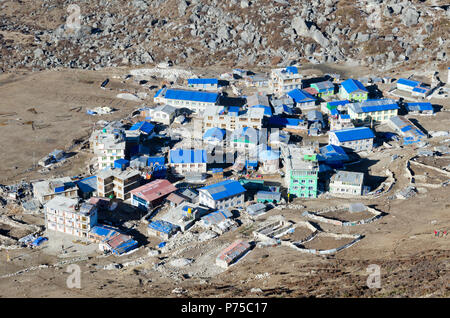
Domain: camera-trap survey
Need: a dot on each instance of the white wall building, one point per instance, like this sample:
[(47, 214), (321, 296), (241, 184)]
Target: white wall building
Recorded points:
[(283, 80), (347, 183), (67, 216)]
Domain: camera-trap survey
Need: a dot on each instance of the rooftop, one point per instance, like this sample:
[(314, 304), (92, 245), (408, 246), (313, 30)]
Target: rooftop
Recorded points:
[(348, 177), (353, 86), (224, 189), (351, 134), (177, 156), (373, 105), (182, 94), (154, 190)]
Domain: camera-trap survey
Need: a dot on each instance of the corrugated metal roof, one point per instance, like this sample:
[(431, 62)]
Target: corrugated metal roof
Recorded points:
[(352, 86), (418, 106), (216, 217), (300, 96), (88, 184), (348, 177), (281, 121), (373, 105), (353, 134), (337, 103), (143, 126), (163, 226), (407, 82), (195, 96), (203, 81), (187, 156), (292, 69), (154, 190), (224, 189)]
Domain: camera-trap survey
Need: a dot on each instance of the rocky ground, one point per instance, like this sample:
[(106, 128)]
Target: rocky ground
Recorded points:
[(42, 34)]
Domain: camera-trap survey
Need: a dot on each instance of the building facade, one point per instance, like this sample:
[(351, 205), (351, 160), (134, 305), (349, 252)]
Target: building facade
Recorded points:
[(380, 110), (117, 183), (222, 195), (353, 90), (196, 101), (355, 139), (283, 80), (67, 216), (187, 161), (347, 183)]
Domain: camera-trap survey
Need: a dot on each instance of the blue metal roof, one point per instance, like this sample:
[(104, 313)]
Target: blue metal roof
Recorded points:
[(203, 81), (156, 161), (163, 226), (195, 96), (292, 69), (352, 85), (88, 184), (336, 103), (344, 116), (407, 82), (420, 90), (103, 230), (418, 106), (281, 121), (187, 156), (224, 189), (143, 126), (334, 112), (300, 96), (215, 133), (332, 153), (354, 134)]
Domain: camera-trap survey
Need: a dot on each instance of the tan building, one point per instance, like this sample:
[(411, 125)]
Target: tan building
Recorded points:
[(117, 183), (46, 190)]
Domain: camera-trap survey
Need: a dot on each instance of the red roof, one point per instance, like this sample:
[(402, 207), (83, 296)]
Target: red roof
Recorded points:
[(154, 190), (311, 90)]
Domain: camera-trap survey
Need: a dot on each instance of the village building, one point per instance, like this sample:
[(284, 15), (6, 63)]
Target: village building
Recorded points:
[(302, 99), (215, 136), (232, 118), (355, 139), (353, 90), (416, 88), (244, 140), (232, 253), (290, 124), (347, 182), (163, 114), (108, 145), (333, 155), (162, 229), (301, 171), (411, 133), (268, 197), (197, 101), (187, 161), (46, 190), (222, 195), (67, 216), (270, 160), (419, 108), (334, 107), (324, 89), (208, 84), (151, 194), (116, 183), (283, 80), (379, 110), (342, 121)]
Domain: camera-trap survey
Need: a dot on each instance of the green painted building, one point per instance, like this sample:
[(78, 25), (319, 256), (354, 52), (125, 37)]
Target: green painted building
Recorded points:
[(302, 175), (353, 90)]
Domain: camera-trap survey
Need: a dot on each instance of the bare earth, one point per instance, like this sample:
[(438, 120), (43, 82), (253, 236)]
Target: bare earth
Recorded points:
[(414, 263)]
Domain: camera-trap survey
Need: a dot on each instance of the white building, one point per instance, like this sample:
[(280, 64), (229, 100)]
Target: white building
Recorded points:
[(67, 216), (347, 183), (163, 114), (222, 195), (232, 118), (197, 101), (108, 145), (283, 80), (356, 139), (187, 161)]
